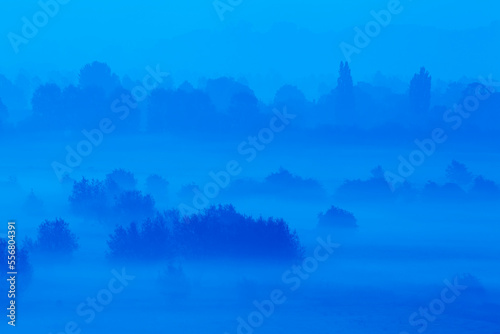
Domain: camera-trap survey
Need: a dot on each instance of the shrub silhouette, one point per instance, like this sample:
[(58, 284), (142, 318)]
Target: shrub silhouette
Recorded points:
[(150, 242), (458, 173), (217, 232), (115, 197), (221, 232), (120, 180), (337, 218), (448, 191), (484, 189), (55, 238), (134, 206), (292, 185), (420, 92), (88, 198)]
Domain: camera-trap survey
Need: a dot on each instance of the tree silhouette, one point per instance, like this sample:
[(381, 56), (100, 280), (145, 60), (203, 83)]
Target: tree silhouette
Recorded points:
[(89, 199), (55, 237), (420, 92), (98, 74), (345, 94), (46, 105), (458, 173), (337, 218)]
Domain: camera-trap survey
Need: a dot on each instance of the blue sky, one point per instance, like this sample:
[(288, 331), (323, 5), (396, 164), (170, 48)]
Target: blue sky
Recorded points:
[(128, 35)]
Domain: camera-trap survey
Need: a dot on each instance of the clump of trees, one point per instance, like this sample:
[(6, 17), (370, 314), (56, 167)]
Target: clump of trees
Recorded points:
[(420, 92), (150, 241), (55, 239), (337, 218), (462, 185), (281, 183), (115, 197), (458, 173), (374, 188), (217, 232)]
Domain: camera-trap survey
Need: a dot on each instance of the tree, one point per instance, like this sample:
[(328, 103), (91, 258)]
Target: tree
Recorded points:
[(120, 179), (88, 198), (458, 173), (46, 104), (134, 206), (152, 241), (345, 94), (98, 74), (420, 92), (291, 98), (337, 218), (55, 237)]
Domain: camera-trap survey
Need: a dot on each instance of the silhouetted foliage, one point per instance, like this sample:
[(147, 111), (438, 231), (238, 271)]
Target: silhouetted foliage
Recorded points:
[(120, 180), (484, 189), (180, 111), (221, 232), (291, 98), (344, 96), (134, 206), (448, 191), (217, 232), (151, 241), (55, 238), (420, 92), (284, 182), (458, 173), (46, 103), (98, 74), (222, 90), (88, 198), (375, 188), (337, 218)]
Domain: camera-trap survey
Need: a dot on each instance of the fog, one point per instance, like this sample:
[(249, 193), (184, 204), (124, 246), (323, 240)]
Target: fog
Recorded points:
[(249, 167)]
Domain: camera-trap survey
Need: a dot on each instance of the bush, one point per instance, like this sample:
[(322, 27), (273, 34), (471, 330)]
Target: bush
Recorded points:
[(222, 232), (120, 180), (484, 189), (134, 206), (337, 218), (449, 191), (152, 241), (292, 185), (458, 173), (88, 198), (217, 232), (55, 238)]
